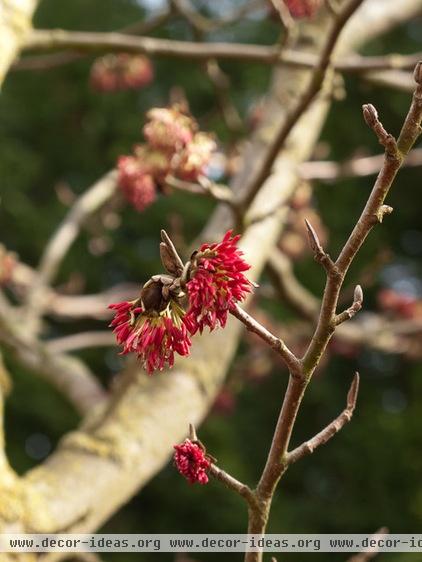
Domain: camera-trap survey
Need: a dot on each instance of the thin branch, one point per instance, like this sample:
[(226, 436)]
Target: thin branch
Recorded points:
[(233, 484), (47, 62), (373, 552), (69, 375), (204, 186), (315, 84), (82, 340), (274, 342), (113, 41), (328, 432), (282, 277), (63, 238), (355, 167)]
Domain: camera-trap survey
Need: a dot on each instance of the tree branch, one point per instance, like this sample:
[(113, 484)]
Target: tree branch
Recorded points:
[(328, 432)]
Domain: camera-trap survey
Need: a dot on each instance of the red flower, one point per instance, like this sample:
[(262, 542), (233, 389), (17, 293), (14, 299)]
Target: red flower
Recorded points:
[(153, 336), (136, 182), (191, 461), (303, 8), (217, 283)]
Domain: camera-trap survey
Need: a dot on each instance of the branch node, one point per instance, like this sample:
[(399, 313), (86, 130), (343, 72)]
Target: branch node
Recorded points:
[(352, 310), (319, 253), (370, 114), (382, 211)]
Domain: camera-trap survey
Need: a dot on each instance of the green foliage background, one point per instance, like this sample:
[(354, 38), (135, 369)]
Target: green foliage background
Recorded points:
[(56, 130)]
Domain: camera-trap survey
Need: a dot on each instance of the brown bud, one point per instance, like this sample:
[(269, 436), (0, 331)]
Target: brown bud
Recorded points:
[(152, 296), (168, 260), (370, 114)]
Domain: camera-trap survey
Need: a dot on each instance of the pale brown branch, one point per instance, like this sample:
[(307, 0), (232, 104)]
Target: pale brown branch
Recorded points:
[(317, 79), (281, 274), (320, 255), (372, 553), (69, 375), (355, 167), (63, 238), (82, 340), (328, 432), (204, 186), (152, 46), (274, 342)]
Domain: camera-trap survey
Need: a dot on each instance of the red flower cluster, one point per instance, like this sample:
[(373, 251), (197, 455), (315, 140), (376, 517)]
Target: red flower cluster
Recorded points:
[(122, 71), (155, 326), (217, 282), (192, 462), (153, 336), (174, 146), (303, 8)]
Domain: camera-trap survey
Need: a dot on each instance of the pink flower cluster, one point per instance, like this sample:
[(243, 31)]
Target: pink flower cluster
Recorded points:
[(192, 462), (303, 8), (173, 146), (216, 283), (154, 337), (122, 71)]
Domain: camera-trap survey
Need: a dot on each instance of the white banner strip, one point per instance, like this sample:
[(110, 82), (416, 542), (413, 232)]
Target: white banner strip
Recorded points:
[(209, 543)]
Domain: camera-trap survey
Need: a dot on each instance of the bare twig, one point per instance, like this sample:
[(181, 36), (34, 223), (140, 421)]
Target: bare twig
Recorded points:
[(274, 342), (233, 484), (328, 432), (353, 309)]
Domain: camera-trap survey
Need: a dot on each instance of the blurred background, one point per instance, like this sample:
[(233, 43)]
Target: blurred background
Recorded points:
[(59, 135)]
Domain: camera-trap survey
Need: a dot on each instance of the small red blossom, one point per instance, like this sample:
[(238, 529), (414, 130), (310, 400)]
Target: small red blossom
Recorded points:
[(303, 8), (192, 462), (136, 182), (154, 336), (8, 261), (122, 71), (216, 284)]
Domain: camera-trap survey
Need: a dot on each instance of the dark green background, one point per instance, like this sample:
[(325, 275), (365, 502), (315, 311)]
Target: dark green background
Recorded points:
[(56, 130)]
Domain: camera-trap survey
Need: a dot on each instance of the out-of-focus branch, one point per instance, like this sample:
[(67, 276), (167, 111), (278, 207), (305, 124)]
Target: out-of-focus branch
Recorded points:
[(359, 167), (317, 79), (394, 79), (62, 239), (328, 432), (204, 186), (281, 273), (69, 375), (53, 60), (52, 39), (373, 552), (81, 341)]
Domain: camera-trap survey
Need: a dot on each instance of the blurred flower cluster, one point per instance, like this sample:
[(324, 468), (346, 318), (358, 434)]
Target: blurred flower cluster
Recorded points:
[(174, 147), (303, 8), (121, 71)]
